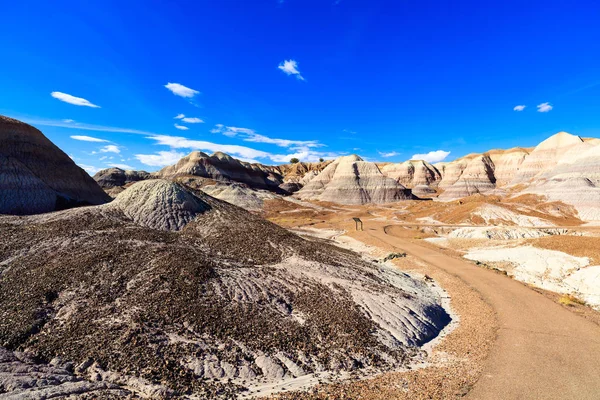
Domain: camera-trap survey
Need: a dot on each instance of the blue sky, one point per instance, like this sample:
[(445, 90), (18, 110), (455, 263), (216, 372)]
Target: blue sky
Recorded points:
[(266, 80)]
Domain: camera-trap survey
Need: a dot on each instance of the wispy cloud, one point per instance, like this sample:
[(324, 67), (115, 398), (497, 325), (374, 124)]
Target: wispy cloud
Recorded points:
[(178, 142), (181, 127), (122, 166), (182, 91), (68, 121), (349, 131), (290, 67), (89, 168), (301, 152), (432, 156), (88, 139), (111, 148), (189, 120), (388, 154), (520, 107), (250, 135), (81, 126), (160, 159), (544, 107), (76, 101)]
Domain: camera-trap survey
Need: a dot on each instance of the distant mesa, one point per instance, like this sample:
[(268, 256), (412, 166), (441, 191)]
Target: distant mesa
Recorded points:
[(37, 177)]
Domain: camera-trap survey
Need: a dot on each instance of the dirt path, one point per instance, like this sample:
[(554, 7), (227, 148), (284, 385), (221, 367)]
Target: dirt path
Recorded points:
[(543, 351)]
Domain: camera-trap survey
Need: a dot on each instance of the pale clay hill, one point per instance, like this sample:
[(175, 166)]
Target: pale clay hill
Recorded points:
[(563, 168), (36, 176), (350, 180), (168, 292)]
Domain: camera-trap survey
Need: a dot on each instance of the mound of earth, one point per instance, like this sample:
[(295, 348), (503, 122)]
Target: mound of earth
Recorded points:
[(413, 173), (574, 180), (295, 176), (507, 164), (170, 292), (37, 177), (222, 167), (545, 156), (477, 177), (350, 180), (114, 180)]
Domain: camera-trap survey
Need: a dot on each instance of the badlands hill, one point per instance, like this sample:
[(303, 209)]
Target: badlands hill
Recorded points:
[(115, 180), (167, 291), (222, 167), (36, 176), (350, 180)]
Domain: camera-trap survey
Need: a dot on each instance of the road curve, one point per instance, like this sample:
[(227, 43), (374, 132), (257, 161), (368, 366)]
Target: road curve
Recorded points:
[(542, 351)]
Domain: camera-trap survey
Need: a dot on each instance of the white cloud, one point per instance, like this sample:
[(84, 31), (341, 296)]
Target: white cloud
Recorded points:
[(88, 139), (290, 67), (388, 154), (192, 120), (160, 159), (68, 121), (83, 127), (520, 107), (180, 90), (122, 166), (544, 107), (181, 127), (111, 148), (250, 135), (178, 142), (89, 168), (242, 152), (77, 101), (189, 120), (432, 156)]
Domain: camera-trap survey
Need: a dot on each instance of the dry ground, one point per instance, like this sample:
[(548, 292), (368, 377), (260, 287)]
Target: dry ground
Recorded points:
[(456, 362)]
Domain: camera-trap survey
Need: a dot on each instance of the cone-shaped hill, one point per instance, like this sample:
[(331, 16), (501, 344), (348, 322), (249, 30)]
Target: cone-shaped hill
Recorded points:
[(168, 291)]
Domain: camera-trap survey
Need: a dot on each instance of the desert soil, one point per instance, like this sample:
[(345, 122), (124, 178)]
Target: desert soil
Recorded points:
[(513, 341)]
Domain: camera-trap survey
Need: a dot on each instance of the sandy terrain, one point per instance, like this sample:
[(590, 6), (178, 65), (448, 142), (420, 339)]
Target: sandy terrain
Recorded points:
[(457, 360)]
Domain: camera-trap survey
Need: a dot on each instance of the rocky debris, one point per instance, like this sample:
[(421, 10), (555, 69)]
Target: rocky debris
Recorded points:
[(240, 195), (413, 173), (350, 180), (222, 167), (290, 187), (393, 256), (477, 177), (215, 304), (503, 233), (117, 177), (37, 177), (22, 376)]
